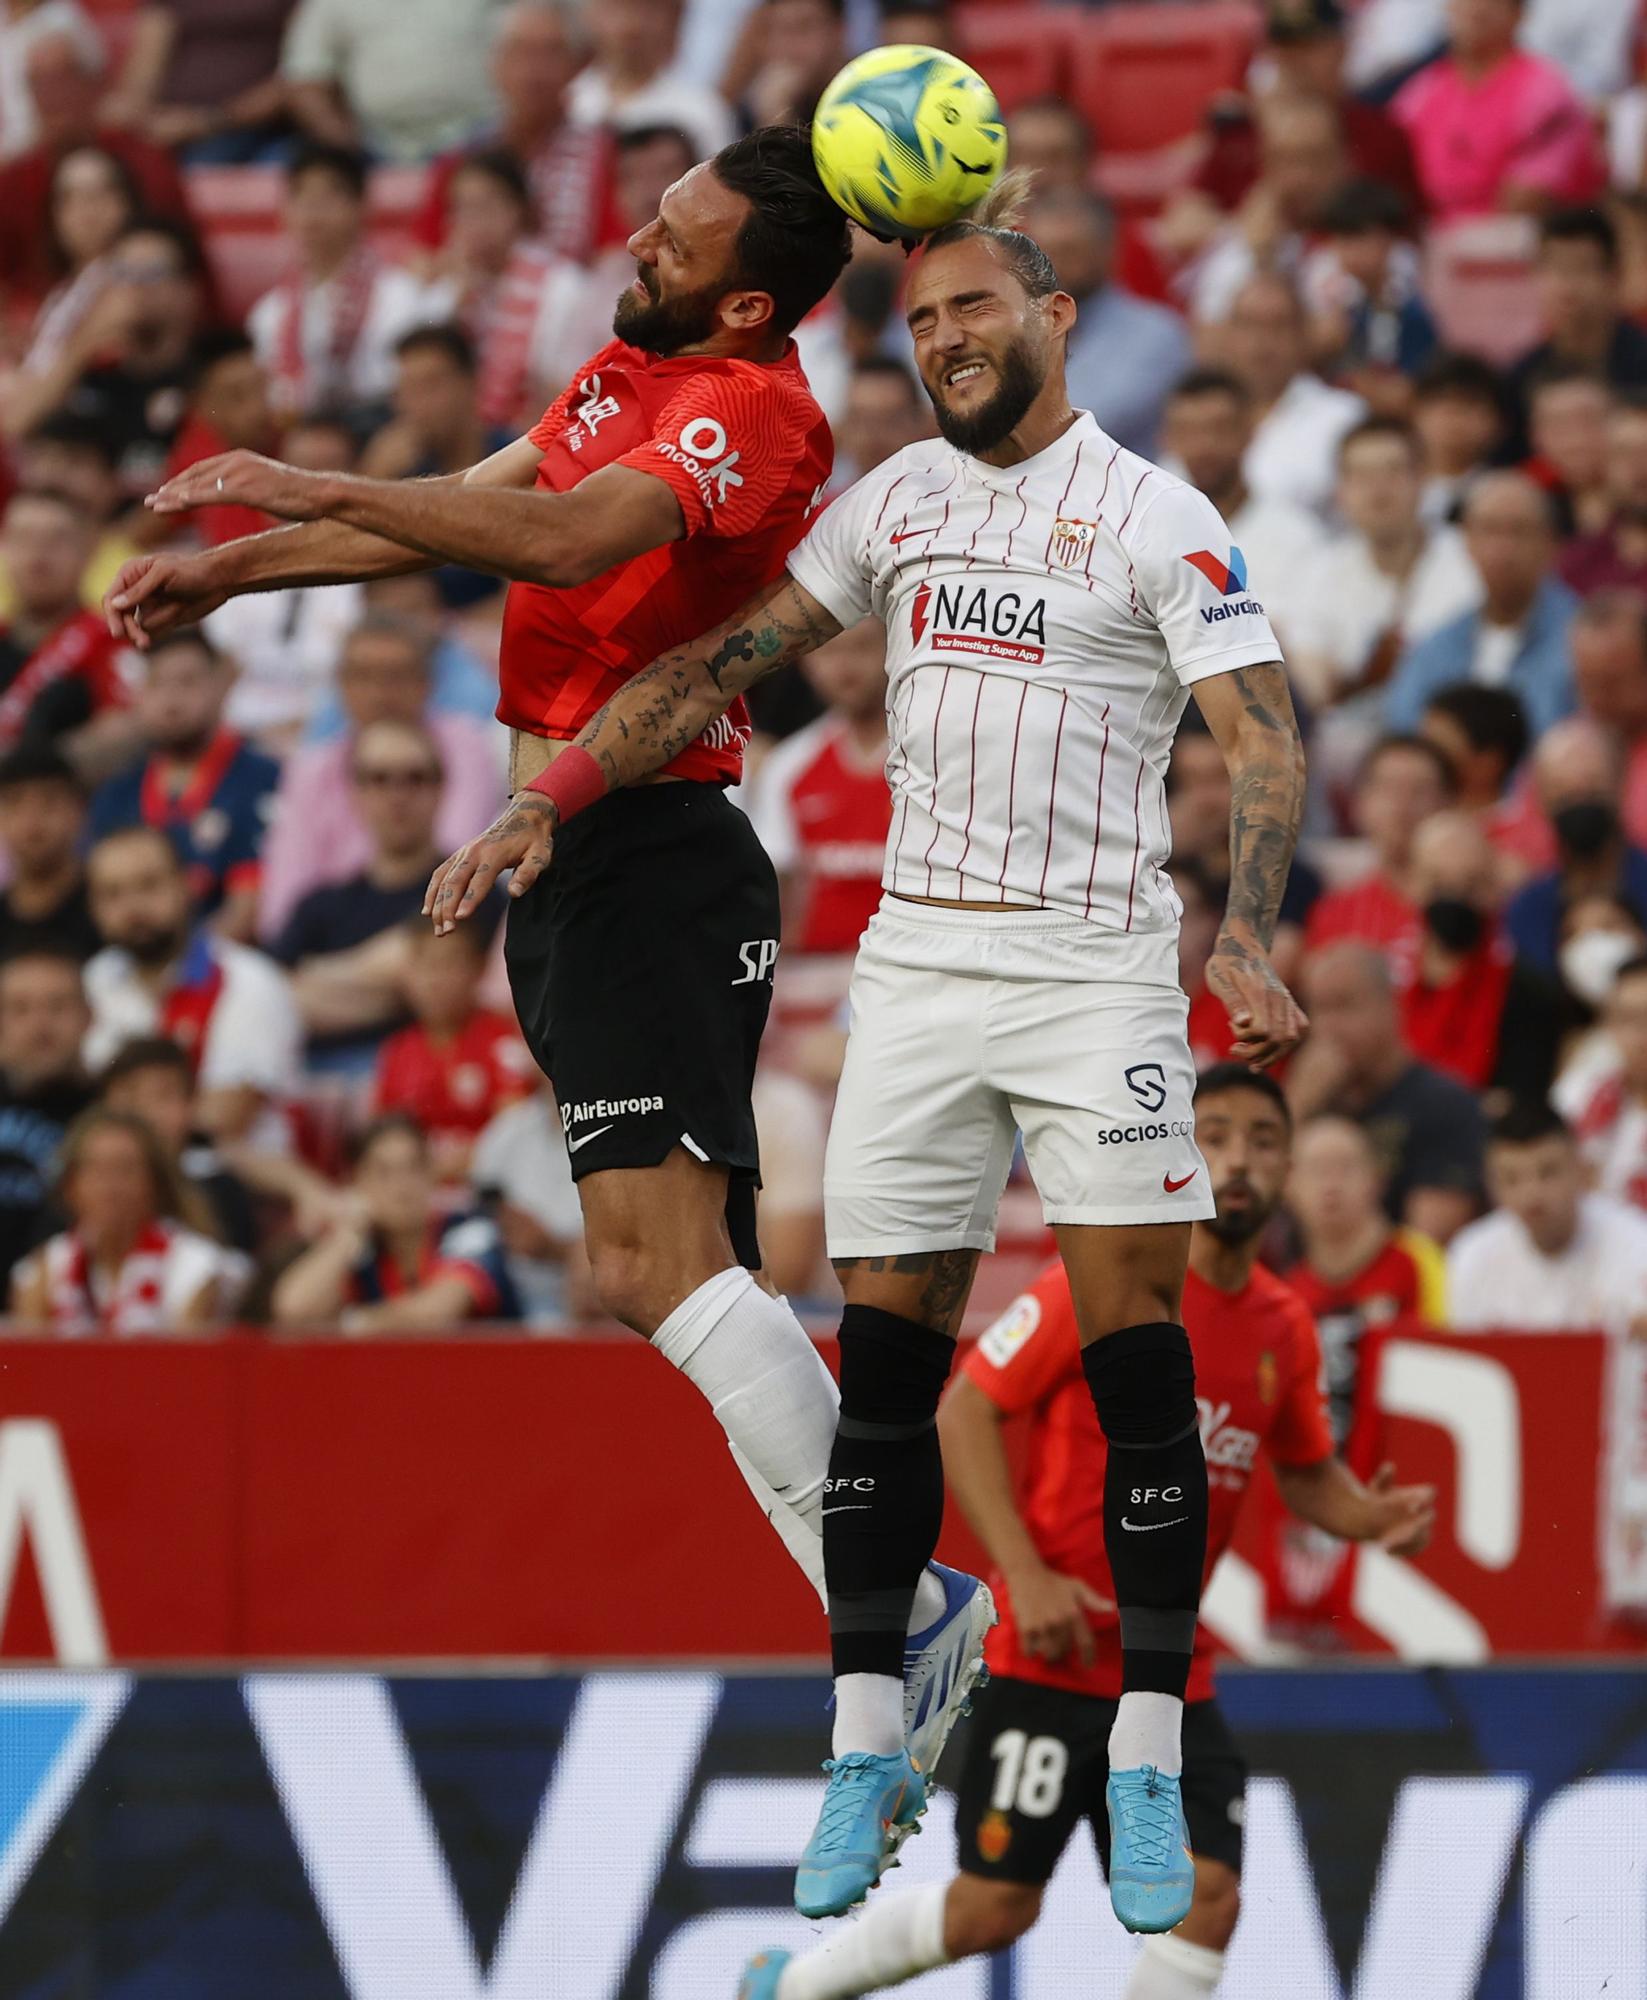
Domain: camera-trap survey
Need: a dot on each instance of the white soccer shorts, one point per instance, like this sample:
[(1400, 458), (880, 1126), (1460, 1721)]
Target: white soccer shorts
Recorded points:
[(968, 1027)]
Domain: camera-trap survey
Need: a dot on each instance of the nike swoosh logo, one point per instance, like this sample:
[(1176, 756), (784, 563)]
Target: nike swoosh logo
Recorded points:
[(1170, 1186), (863, 1508), (909, 535), (1145, 1527), (572, 1145)]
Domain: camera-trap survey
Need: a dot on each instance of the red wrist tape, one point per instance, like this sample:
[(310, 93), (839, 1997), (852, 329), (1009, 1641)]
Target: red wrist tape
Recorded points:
[(574, 780)]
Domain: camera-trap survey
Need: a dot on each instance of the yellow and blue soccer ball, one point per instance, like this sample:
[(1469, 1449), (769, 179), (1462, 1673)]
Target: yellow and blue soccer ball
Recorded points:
[(908, 138)]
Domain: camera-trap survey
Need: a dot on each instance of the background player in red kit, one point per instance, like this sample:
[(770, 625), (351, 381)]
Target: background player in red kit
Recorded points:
[(1036, 1752), (660, 491)]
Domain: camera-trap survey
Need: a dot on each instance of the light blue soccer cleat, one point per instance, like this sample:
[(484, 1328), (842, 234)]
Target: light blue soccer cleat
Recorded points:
[(869, 1800), (761, 1976), (1151, 1868), (945, 1664)]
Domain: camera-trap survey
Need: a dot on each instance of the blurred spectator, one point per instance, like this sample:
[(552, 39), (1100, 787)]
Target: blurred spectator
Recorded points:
[(1403, 782), (802, 43), (388, 1261), (1458, 411), (63, 679), (1567, 412), (203, 76), (207, 788), (327, 332), (1609, 648), (1615, 556), (793, 1128), (521, 1174), (1302, 166), (152, 1079), (92, 197), (318, 834), (1610, 1116), (1469, 1006), (1600, 935), (1578, 779), (1211, 1038), (631, 80), (1049, 138), (287, 642), (42, 816), (646, 161), (1493, 126), (462, 683), (1426, 1127), (457, 1065), (821, 803), (519, 302), (1389, 580), (1300, 419), (228, 1006), (1205, 435), (229, 409), (1518, 638), (1549, 1257), (70, 455), (1482, 733), (886, 409), (1198, 804), (64, 75), (1372, 330), (136, 1257), (1579, 290), (536, 48), (402, 79), (22, 24), (1124, 354), (346, 942), (137, 390), (43, 1089)]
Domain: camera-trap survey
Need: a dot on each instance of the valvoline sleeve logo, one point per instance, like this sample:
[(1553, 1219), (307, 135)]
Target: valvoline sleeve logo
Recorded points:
[(1230, 578)]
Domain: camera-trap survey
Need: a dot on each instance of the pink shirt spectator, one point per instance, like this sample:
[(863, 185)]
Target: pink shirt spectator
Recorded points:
[(316, 836), (1522, 124)]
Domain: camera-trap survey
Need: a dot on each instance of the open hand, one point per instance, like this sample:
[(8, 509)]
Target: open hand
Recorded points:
[(1403, 1516), (522, 838), (1268, 1021), (153, 595), (244, 479)]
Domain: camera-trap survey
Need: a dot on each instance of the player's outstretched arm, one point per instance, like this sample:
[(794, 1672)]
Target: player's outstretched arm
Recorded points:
[(1328, 1495), (1250, 713), (646, 724)]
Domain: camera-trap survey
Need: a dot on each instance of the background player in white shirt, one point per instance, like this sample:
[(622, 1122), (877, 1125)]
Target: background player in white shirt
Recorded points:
[(1050, 600)]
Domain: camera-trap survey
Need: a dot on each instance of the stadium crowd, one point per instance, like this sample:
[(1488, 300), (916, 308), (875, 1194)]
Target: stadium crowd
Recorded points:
[(239, 1078)]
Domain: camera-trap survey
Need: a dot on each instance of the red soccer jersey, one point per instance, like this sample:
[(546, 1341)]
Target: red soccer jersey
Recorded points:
[(823, 811), (745, 450), (1258, 1382), (80, 650), (453, 1088), (1369, 912)]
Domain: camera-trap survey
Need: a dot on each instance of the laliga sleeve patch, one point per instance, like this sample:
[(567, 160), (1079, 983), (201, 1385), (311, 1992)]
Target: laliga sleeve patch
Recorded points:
[(1011, 1330)]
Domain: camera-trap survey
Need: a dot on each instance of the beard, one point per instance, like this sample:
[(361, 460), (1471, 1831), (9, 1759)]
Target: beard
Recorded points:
[(153, 945), (1237, 1226), (665, 326), (987, 426)]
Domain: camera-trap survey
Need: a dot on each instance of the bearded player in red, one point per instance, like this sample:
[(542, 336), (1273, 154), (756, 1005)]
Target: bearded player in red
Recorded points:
[(1037, 1753), (661, 491)]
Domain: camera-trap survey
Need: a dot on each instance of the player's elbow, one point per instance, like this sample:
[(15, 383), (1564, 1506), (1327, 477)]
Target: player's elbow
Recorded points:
[(571, 562)]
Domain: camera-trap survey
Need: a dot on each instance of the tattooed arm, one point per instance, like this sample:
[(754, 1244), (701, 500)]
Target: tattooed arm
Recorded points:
[(1250, 714), (647, 724)]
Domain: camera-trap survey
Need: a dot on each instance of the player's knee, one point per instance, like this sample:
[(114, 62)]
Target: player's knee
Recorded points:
[(1216, 1909), (630, 1285), (982, 1916)]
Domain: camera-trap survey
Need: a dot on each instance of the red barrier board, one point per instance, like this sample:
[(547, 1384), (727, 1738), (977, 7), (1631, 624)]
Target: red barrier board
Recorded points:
[(500, 1497)]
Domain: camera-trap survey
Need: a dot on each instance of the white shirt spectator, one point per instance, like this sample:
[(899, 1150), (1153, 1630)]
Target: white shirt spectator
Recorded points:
[(413, 72), (1282, 543), (163, 1279), (1498, 1277), (1347, 603), (19, 127), (520, 1158), (671, 98), (286, 645), (398, 302), (1294, 450), (1592, 40)]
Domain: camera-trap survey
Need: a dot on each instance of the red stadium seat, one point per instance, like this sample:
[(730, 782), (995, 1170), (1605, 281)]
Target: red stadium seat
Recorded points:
[(1019, 52), (1144, 74), (1479, 282)]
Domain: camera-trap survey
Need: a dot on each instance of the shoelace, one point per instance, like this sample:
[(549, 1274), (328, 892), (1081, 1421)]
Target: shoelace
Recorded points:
[(850, 1779), (1149, 1818)]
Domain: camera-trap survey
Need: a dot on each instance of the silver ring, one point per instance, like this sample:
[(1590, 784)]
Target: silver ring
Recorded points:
[(220, 485)]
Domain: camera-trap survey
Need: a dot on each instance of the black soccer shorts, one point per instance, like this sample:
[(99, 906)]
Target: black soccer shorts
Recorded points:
[(641, 968), (1037, 1762)]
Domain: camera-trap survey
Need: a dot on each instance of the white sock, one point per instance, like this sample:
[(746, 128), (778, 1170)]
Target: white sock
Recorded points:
[(869, 1714), (897, 1936), (1146, 1731), (1171, 1968), (777, 1403)]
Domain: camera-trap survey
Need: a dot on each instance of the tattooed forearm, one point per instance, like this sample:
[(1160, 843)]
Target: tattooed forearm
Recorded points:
[(1252, 716)]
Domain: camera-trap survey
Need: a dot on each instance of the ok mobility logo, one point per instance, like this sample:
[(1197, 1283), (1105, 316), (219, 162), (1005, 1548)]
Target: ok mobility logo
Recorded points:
[(1230, 581)]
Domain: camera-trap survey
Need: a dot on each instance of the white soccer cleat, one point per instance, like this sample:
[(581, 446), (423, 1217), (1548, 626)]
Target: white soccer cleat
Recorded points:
[(944, 1664)]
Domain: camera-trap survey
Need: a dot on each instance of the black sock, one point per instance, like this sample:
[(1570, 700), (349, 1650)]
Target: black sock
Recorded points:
[(884, 1499), (1155, 1497)]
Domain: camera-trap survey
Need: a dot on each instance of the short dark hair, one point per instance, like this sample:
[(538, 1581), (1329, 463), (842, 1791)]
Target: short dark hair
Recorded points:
[(890, 369), (1420, 746), (1584, 224), (123, 176), (498, 164), (795, 242), (46, 953), (54, 496), (1558, 374), (1527, 1122), (1362, 206), (1381, 427), (1490, 717), (344, 163), (1460, 375), (37, 763), (190, 637), (1061, 107), (145, 1052), (214, 344), (1020, 252), (75, 433), (447, 339), (635, 138), (1222, 1078), (175, 231), (1632, 968), (382, 1127), (1210, 382)]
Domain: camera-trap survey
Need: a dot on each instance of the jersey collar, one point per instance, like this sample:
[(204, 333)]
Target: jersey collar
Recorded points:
[(1007, 478)]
